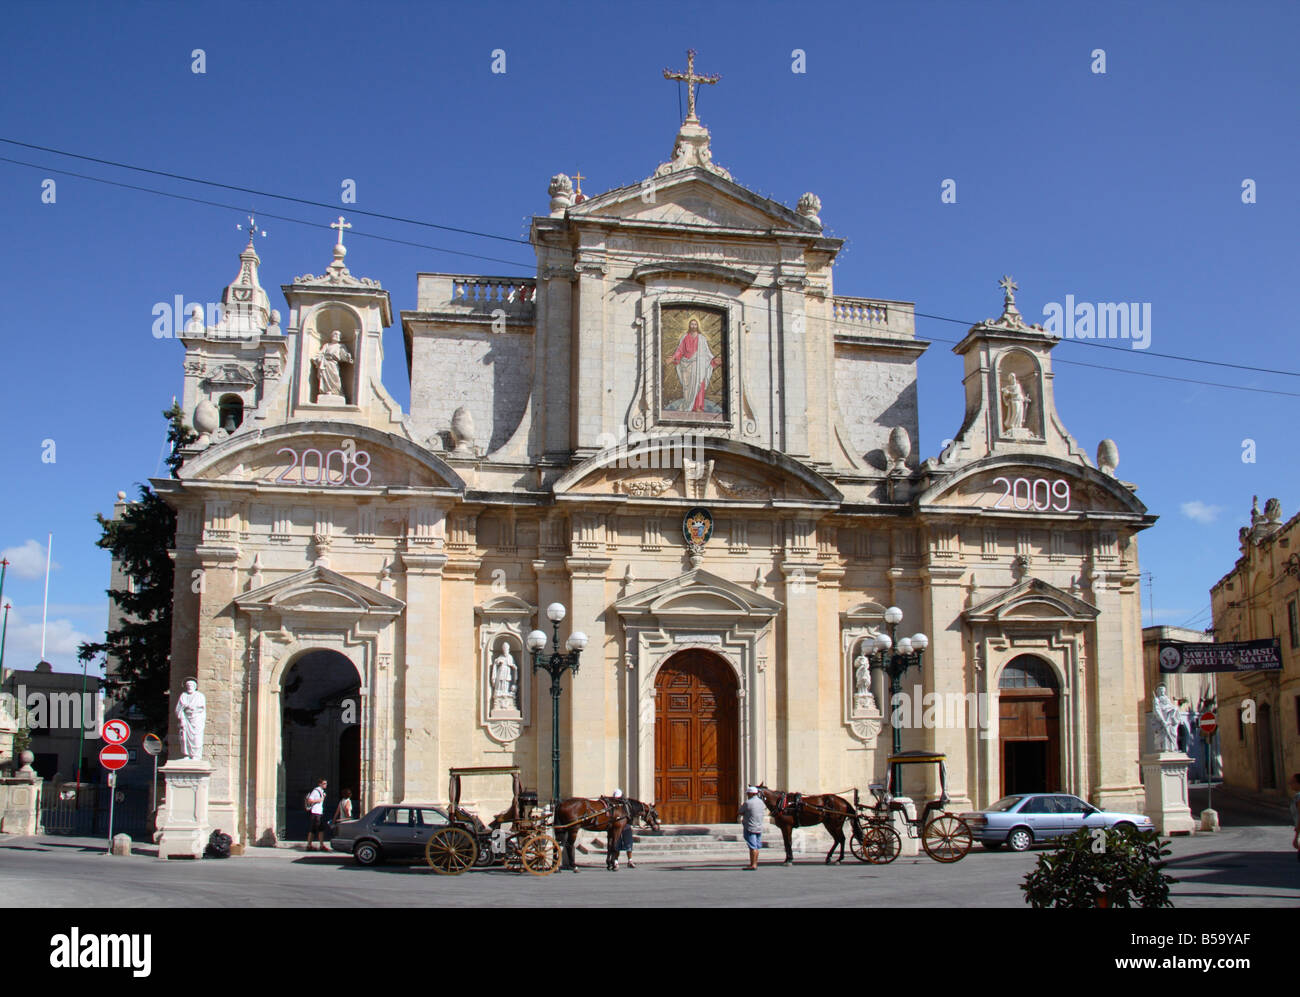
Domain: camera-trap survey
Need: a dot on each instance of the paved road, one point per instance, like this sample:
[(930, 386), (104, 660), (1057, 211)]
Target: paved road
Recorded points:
[(1240, 866)]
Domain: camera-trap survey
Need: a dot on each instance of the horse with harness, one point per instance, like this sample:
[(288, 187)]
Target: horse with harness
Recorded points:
[(610, 814)]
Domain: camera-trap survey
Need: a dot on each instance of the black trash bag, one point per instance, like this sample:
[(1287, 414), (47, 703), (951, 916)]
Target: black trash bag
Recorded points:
[(218, 845)]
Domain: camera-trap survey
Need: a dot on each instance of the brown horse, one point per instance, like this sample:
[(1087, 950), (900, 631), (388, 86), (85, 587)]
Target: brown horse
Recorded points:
[(608, 814), (791, 810)]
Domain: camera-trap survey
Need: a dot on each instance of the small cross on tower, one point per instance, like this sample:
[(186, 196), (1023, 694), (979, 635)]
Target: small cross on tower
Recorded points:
[(253, 229), (691, 79), (578, 178), (1009, 289), (340, 225)]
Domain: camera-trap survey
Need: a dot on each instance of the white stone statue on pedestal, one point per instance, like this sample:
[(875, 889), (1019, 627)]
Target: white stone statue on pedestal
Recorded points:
[(505, 681), (329, 383), (192, 712), (1165, 721), (863, 700)]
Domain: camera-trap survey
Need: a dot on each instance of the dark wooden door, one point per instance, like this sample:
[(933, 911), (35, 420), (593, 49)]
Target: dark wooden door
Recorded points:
[(697, 740), (1029, 729)]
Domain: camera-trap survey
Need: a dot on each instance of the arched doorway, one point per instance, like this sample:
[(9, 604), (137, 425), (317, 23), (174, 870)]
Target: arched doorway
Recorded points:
[(1029, 726), (320, 736), (697, 740)]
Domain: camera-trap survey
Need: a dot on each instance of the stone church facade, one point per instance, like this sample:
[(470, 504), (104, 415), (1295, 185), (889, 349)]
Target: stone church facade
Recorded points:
[(681, 432)]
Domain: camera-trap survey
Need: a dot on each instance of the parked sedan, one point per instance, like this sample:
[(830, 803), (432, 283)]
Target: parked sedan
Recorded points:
[(389, 831), (1031, 818)]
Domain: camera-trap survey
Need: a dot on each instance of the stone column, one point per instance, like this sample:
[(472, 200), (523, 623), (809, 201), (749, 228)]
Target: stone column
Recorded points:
[(183, 822), (945, 673), (792, 413), (1164, 777), (416, 727), (590, 732), (593, 362), (798, 685), (220, 677), (1117, 704)]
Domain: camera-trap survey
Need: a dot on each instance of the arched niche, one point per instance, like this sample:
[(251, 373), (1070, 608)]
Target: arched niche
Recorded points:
[(325, 353), (1019, 386)]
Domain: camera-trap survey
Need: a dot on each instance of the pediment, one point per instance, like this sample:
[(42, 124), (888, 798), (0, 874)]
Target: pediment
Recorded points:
[(695, 198), (698, 594), (321, 455), (1032, 599), (710, 470), (1033, 485), (322, 591)]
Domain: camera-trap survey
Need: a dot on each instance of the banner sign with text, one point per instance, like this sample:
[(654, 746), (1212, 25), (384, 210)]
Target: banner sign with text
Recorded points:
[(1229, 656)]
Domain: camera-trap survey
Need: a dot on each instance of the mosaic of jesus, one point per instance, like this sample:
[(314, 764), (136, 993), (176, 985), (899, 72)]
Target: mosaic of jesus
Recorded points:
[(693, 363)]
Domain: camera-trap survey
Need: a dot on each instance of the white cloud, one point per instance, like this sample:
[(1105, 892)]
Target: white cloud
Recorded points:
[(23, 643), (27, 561), (1201, 512)]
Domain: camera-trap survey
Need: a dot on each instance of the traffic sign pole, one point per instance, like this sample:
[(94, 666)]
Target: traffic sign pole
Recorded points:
[(112, 800)]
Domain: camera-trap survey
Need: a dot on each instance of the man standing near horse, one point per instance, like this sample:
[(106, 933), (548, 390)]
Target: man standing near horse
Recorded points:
[(752, 813)]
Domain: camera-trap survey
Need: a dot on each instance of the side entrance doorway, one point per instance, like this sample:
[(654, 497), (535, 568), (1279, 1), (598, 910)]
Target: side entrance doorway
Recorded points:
[(1029, 727)]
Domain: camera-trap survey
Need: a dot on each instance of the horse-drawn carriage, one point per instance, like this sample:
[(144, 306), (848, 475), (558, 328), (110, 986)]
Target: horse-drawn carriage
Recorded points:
[(945, 836), (517, 838)]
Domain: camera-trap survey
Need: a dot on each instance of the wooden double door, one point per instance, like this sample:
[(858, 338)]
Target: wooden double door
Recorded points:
[(697, 740), (1029, 732)]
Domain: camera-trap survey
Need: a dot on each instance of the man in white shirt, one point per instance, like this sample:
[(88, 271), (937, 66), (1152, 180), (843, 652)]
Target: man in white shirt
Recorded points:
[(752, 815), (316, 807)]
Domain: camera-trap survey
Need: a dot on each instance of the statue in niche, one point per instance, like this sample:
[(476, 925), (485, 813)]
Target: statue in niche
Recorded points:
[(505, 680), (329, 383), (863, 700), (1015, 407)]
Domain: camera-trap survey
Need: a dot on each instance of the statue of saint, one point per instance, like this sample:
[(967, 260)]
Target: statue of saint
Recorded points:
[(505, 680), (1015, 404), (1165, 720), (327, 361), (862, 697), (192, 712)]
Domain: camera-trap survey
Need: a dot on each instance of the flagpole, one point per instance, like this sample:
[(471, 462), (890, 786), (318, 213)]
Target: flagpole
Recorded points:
[(45, 609)]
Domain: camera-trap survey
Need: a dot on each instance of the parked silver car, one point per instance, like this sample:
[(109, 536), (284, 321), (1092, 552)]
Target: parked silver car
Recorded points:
[(389, 831), (1030, 818)]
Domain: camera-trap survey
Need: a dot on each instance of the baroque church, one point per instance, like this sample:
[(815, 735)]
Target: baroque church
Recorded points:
[(681, 432)]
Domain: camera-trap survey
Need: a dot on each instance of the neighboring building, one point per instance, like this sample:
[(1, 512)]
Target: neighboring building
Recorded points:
[(60, 712), (1260, 598), (1192, 691), (355, 583)]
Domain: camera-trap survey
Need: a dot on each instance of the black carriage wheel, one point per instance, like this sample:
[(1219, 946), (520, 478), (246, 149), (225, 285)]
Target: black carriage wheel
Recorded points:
[(882, 845), (947, 838), (450, 851)]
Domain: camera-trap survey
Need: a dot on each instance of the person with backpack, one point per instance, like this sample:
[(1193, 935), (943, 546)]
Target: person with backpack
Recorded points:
[(314, 803)]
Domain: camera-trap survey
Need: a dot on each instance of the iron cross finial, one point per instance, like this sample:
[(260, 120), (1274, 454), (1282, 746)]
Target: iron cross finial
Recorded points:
[(691, 79), (253, 229), (578, 178)]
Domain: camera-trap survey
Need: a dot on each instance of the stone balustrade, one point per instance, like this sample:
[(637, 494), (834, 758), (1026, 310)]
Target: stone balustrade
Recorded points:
[(459, 292), (891, 318)]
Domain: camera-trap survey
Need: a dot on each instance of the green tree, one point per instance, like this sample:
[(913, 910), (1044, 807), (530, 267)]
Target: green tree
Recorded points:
[(141, 645), (1102, 868)]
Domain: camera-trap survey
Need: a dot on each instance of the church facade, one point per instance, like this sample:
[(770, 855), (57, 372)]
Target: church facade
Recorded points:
[(682, 433)]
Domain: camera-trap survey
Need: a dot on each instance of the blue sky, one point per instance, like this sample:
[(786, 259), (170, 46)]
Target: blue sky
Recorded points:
[(1123, 186)]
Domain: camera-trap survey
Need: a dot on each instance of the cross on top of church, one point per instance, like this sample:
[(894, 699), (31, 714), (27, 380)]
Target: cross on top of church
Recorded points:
[(578, 178), (691, 79), (253, 229), (340, 225), (1009, 289)]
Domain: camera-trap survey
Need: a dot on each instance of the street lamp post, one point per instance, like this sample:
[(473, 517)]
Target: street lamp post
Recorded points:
[(556, 665), (894, 657)]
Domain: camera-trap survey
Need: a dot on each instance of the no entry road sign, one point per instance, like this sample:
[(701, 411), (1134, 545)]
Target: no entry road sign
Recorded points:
[(1209, 724), (116, 731), (113, 756)]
